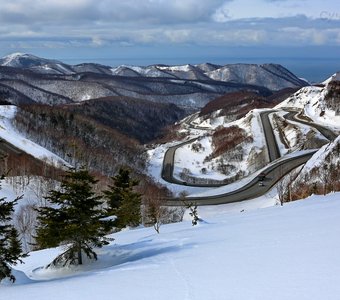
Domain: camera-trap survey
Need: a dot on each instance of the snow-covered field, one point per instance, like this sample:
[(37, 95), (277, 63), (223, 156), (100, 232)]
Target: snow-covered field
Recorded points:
[(289, 252)]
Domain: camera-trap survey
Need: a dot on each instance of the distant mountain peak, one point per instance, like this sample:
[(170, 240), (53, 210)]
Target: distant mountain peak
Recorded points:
[(24, 60), (8, 59)]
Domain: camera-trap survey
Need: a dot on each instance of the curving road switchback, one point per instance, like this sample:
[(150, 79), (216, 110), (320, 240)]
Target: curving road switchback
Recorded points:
[(274, 172)]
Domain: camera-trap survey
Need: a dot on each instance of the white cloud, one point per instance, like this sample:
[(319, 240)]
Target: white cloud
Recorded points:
[(144, 11), (97, 41), (244, 9), (178, 36), (103, 23), (222, 14), (309, 36)]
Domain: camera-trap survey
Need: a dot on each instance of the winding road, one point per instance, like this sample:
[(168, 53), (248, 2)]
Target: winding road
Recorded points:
[(294, 116), (274, 172), (169, 156), (168, 164)]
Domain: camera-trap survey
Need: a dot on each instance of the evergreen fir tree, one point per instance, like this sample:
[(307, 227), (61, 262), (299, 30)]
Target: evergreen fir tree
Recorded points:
[(10, 247), (74, 219), (123, 201)]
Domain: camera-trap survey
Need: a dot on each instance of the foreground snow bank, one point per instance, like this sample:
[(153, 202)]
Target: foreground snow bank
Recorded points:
[(289, 252)]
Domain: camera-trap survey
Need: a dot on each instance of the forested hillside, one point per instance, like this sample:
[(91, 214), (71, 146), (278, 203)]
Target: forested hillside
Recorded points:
[(139, 119), (236, 105), (77, 138)]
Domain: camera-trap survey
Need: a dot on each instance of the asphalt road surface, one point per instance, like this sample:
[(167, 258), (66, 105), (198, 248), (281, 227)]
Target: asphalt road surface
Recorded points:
[(168, 163), (273, 149), (253, 189)]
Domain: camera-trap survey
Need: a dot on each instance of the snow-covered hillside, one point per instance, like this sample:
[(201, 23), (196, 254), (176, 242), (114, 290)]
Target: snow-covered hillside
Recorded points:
[(18, 59), (27, 79), (198, 157), (24, 60), (272, 76), (312, 101), (320, 174), (32, 190), (288, 252), (293, 136), (11, 135)]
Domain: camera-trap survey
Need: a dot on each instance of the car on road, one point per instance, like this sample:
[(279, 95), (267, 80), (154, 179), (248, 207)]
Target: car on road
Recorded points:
[(262, 176)]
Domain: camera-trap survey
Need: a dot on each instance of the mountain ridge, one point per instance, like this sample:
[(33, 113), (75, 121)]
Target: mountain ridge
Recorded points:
[(204, 71)]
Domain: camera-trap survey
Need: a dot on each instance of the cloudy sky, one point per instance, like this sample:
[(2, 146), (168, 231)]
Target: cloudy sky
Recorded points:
[(171, 31)]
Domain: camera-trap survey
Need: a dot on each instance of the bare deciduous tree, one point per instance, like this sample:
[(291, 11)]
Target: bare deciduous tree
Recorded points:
[(325, 177), (193, 213), (280, 187), (156, 213), (25, 221)]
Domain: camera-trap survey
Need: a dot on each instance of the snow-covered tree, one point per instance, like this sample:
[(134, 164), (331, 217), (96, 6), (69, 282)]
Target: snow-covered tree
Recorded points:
[(123, 201), (74, 219), (10, 247)]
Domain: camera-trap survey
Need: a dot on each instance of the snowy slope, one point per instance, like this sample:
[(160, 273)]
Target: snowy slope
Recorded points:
[(195, 161), (335, 76), (288, 252), (322, 170), (19, 60), (313, 104), (320, 157), (271, 76), (292, 136), (10, 60), (13, 60), (11, 135)]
